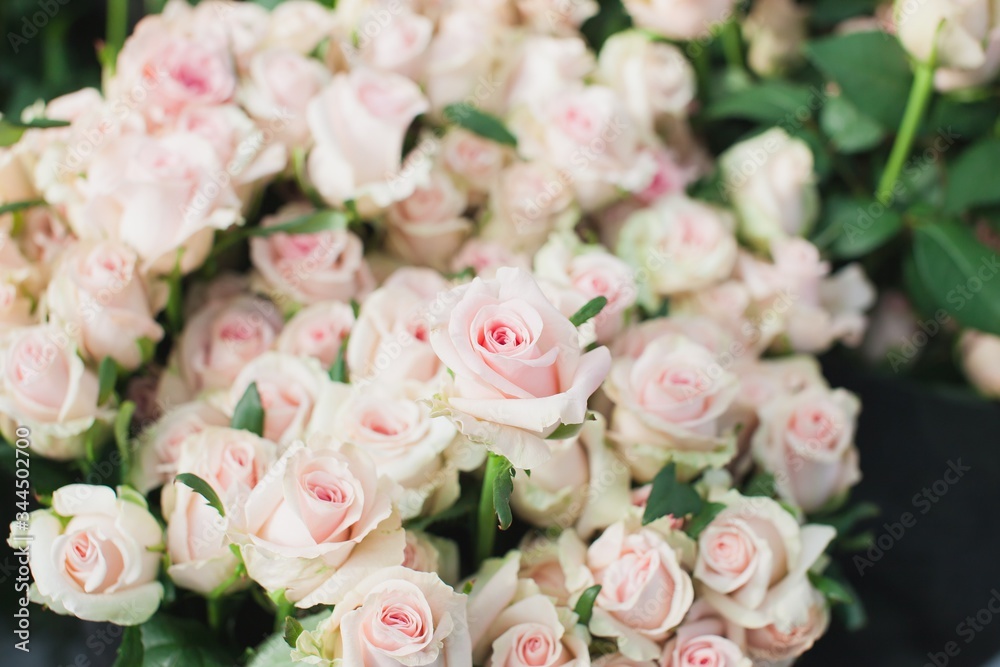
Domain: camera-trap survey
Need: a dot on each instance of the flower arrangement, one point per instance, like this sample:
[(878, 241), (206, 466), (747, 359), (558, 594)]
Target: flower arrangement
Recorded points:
[(446, 334)]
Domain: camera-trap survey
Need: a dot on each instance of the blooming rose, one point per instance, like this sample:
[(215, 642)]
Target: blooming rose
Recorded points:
[(394, 617), (232, 462), (980, 354), (160, 444), (460, 56), (399, 46), (807, 442), (679, 19), (320, 520), (429, 553), (702, 642), (317, 331), (428, 227), (98, 293), (805, 621), (776, 31), (652, 77), (668, 402), (769, 180), (518, 368), (682, 244), (359, 122), (390, 422), (277, 90), (751, 554), (557, 16), (485, 258), (94, 555), (957, 31), (299, 25), (47, 388), (308, 268), (472, 158), (543, 68), (528, 202), (222, 337)]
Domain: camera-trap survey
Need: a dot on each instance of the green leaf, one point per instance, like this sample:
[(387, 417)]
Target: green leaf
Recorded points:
[(850, 130), (203, 488), (312, 223), (123, 423), (338, 371), (466, 505), (12, 130), (175, 298), (15, 206), (871, 69), (855, 227), (274, 651), (844, 521), (479, 122), (668, 496), (972, 177), (830, 12), (832, 590), (611, 18), (107, 375), (702, 519), (565, 432), (960, 274), (130, 652), (585, 605), (168, 641), (589, 311), (768, 102), (503, 486), (292, 630), (249, 414)]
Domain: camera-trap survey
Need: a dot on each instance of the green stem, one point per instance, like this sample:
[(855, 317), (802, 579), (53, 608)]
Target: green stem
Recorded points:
[(117, 26), (487, 522), (214, 607), (732, 45), (916, 106), (702, 69)]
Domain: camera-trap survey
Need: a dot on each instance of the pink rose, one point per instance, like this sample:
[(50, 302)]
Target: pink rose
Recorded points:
[(160, 444), (320, 520), (545, 67), (232, 462), (485, 258), (15, 308), (317, 331), (669, 399), (428, 227), (277, 90), (472, 158), (805, 619), (299, 25), (980, 354), (98, 294), (702, 642), (429, 553), (400, 46), (359, 122), (528, 202), (679, 19), (222, 337), (308, 268), (518, 368), (394, 617), (460, 56), (806, 441)]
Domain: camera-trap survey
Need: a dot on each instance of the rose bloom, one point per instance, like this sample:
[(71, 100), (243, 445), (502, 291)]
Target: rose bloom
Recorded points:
[(460, 55), (776, 31), (277, 90), (222, 337), (701, 642), (429, 553), (394, 617), (556, 16), (428, 227), (955, 31), (980, 354), (98, 292), (232, 462), (317, 331), (47, 388), (806, 620), (392, 424), (162, 196), (399, 46), (679, 19), (290, 388), (770, 181), (683, 245), (359, 122), (529, 200), (160, 445), (807, 441), (309, 268), (545, 67), (669, 399), (518, 368), (299, 25), (94, 555), (751, 555), (320, 520), (15, 308), (473, 159), (485, 258)]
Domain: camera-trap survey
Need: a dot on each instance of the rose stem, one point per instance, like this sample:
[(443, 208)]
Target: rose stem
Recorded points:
[(487, 521)]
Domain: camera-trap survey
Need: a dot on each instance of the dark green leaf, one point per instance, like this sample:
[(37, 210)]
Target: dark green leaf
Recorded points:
[(12, 130), (761, 484), (466, 505), (203, 488), (961, 118), (130, 652), (921, 297), (771, 102), (850, 130), (171, 642), (585, 605), (313, 223), (856, 227), (972, 177), (872, 71), (960, 274), (338, 371), (175, 297), (107, 376), (611, 18), (503, 486), (700, 521), (844, 521), (832, 590), (292, 630), (479, 122), (589, 311), (668, 496), (830, 12), (123, 424), (46, 475), (15, 206), (249, 414), (565, 432)]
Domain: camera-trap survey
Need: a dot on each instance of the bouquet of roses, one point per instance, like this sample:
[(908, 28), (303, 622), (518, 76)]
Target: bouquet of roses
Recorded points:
[(307, 303)]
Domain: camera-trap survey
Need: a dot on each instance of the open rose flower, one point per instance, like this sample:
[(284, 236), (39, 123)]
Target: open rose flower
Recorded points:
[(94, 555), (279, 85), (679, 19), (428, 227), (160, 444), (751, 555), (519, 372), (395, 617), (317, 331), (805, 619), (700, 642), (98, 293), (807, 441), (232, 462), (980, 354), (317, 522)]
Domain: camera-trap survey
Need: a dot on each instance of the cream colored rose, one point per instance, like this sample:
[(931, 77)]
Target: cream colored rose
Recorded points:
[(160, 444), (95, 555), (317, 331), (680, 19), (980, 354), (529, 201), (429, 553), (805, 618), (277, 90), (957, 30), (320, 520), (428, 227), (703, 642), (473, 159), (776, 31)]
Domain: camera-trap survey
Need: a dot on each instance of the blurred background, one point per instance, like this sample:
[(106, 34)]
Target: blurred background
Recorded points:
[(927, 587)]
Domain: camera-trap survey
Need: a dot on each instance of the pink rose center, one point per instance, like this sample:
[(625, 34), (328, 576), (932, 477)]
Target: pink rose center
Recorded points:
[(816, 428), (536, 647), (327, 488), (701, 655), (93, 562), (731, 551)]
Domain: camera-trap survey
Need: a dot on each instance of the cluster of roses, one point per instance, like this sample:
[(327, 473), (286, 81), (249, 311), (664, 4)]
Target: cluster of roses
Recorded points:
[(458, 190)]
